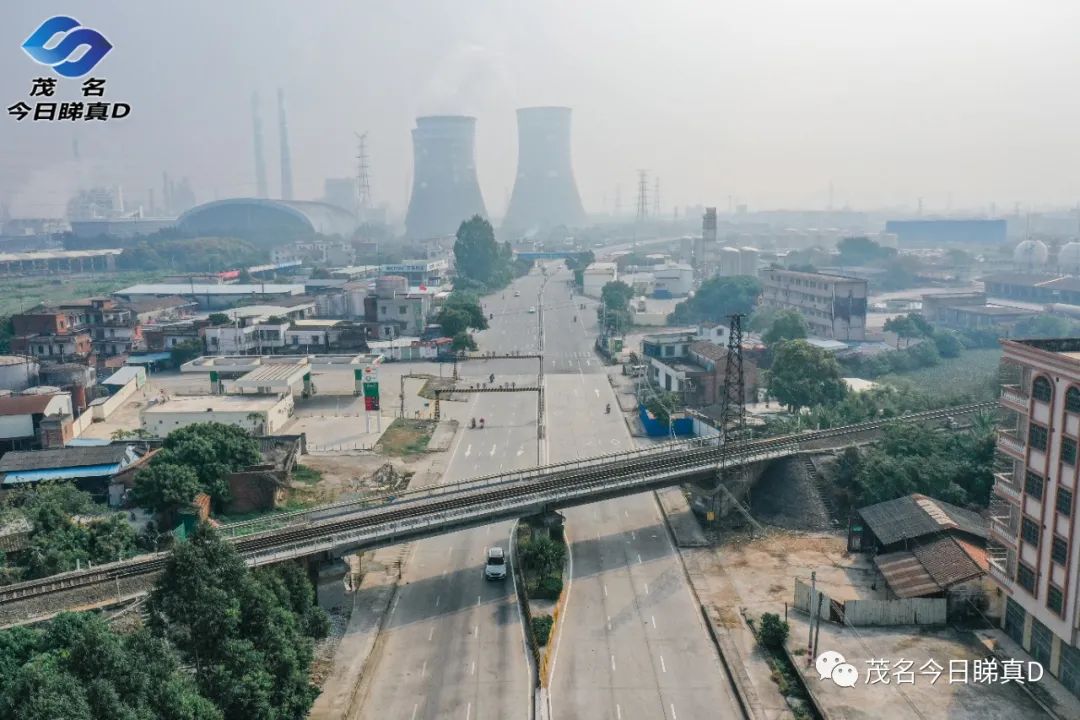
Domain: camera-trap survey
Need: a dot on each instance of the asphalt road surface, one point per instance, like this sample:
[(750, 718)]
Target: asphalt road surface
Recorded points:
[(632, 642)]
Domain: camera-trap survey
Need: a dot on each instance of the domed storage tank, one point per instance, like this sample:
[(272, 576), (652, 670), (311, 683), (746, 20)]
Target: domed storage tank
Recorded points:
[(1031, 254), (389, 285), (1069, 258)]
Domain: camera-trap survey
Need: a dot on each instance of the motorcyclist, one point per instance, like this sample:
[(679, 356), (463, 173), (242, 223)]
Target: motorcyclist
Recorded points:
[(575, 318), (607, 408), (472, 423), (491, 378), (481, 422)]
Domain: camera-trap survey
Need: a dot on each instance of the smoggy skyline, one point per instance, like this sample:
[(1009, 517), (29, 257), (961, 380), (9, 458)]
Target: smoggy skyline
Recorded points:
[(960, 102)]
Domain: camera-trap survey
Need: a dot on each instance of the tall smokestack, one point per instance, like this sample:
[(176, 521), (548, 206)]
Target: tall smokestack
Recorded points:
[(286, 157), (445, 190), (545, 194), (260, 161)]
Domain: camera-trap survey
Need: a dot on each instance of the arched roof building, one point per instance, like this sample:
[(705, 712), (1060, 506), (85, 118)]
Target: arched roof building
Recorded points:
[(248, 216)]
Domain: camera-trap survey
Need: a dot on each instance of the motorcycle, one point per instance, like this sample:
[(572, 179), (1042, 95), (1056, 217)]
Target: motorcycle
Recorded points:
[(607, 409), (491, 316), (481, 423), (575, 318), (472, 423), (491, 378)]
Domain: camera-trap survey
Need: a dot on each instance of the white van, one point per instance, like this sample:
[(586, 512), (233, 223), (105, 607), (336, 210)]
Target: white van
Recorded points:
[(495, 569)]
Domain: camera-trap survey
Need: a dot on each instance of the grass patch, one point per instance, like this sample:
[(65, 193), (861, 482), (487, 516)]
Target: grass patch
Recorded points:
[(306, 475), (407, 437), (973, 373), (541, 627), (18, 294)]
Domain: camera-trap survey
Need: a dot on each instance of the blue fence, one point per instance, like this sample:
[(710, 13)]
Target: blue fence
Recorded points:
[(683, 426)]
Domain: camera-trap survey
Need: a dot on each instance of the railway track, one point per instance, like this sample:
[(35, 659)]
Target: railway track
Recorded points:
[(580, 478)]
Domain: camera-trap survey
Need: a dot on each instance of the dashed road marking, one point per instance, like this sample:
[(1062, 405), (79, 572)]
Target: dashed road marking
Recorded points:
[(663, 666), (438, 598), (646, 588), (423, 669), (605, 591)]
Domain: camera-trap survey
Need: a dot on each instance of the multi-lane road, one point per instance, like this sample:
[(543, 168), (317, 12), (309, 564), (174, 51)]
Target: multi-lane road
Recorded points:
[(631, 644)]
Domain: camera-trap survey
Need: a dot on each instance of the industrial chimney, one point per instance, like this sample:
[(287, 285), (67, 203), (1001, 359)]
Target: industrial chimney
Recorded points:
[(260, 162), (445, 190), (545, 194), (286, 156)]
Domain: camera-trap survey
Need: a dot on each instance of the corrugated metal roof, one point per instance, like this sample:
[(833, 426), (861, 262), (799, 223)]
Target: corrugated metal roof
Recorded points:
[(915, 516), (68, 457), (125, 375), (905, 575), (72, 473)]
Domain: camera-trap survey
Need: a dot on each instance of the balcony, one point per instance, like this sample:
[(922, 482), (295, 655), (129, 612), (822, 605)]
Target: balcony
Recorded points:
[(1001, 530), (1009, 442), (1014, 398), (1006, 488), (998, 562)]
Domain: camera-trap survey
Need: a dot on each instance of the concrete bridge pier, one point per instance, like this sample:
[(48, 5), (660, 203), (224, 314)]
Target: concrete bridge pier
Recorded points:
[(724, 500), (330, 576)]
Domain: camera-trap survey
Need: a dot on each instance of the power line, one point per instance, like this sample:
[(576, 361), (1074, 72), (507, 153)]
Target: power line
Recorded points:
[(363, 177), (643, 195)]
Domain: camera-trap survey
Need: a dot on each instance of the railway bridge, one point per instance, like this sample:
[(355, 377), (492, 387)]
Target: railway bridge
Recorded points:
[(327, 532)]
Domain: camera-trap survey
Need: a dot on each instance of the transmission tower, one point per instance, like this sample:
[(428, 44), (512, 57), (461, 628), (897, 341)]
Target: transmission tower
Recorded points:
[(656, 198), (733, 404), (363, 179), (642, 195)]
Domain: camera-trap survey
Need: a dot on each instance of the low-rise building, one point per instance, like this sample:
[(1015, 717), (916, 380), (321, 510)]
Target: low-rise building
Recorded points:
[(698, 374), (673, 280), (429, 273), (596, 276), (833, 306), (68, 347), (21, 418), (402, 315), (258, 414), (90, 468)]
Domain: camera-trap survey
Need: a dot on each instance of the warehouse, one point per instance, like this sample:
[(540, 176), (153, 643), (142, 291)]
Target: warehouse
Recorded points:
[(258, 414)]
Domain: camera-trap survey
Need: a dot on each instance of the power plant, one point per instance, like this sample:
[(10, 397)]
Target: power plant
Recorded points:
[(286, 156), (445, 190), (545, 193)]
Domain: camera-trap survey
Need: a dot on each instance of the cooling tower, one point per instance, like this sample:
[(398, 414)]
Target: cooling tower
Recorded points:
[(545, 194), (445, 190)]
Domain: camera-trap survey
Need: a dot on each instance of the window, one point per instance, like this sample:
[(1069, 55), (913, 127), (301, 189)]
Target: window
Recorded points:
[(1026, 577), (1054, 599), (1037, 437), (1064, 501), (669, 351), (1072, 400), (1033, 485), (1068, 451), (1029, 530), (1041, 389), (1059, 550)]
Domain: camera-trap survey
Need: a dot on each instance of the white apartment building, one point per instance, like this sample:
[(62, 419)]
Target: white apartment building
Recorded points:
[(834, 306), (1034, 542), (596, 276)]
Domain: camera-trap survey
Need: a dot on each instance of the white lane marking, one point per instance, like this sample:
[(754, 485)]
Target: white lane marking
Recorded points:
[(633, 535), (625, 514), (662, 665), (468, 450), (639, 558), (612, 663), (487, 529), (492, 453), (394, 609), (476, 631), (646, 588), (423, 669), (609, 622), (520, 452), (449, 550), (444, 573), (605, 591), (473, 671), (588, 363), (596, 391), (477, 601), (468, 711), (653, 622), (673, 715), (439, 597), (618, 711), (414, 709), (597, 534), (431, 632)]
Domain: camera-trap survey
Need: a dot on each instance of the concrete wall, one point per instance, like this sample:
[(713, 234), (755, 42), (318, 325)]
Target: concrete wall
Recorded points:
[(102, 408), (16, 426)]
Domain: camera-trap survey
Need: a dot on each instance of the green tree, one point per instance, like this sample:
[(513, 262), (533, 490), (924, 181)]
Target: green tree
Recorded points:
[(773, 631), (904, 327), (165, 487), (460, 312), (478, 257), (453, 321), (1043, 326), (803, 375), (218, 318), (662, 404), (616, 295), (212, 450), (541, 556), (185, 351), (862, 251), (716, 299), (462, 341), (785, 325)]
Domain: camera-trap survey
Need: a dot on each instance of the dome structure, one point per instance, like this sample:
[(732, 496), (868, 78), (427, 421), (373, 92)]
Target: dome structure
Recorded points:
[(1031, 254), (1069, 258)]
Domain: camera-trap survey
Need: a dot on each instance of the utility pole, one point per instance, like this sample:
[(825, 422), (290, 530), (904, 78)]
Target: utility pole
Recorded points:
[(656, 198)]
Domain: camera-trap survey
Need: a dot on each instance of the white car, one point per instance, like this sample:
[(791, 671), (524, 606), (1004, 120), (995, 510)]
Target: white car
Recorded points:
[(517, 293), (495, 568), (532, 308)]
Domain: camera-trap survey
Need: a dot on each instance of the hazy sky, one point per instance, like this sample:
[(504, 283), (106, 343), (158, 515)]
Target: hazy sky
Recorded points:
[(768, 100)]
